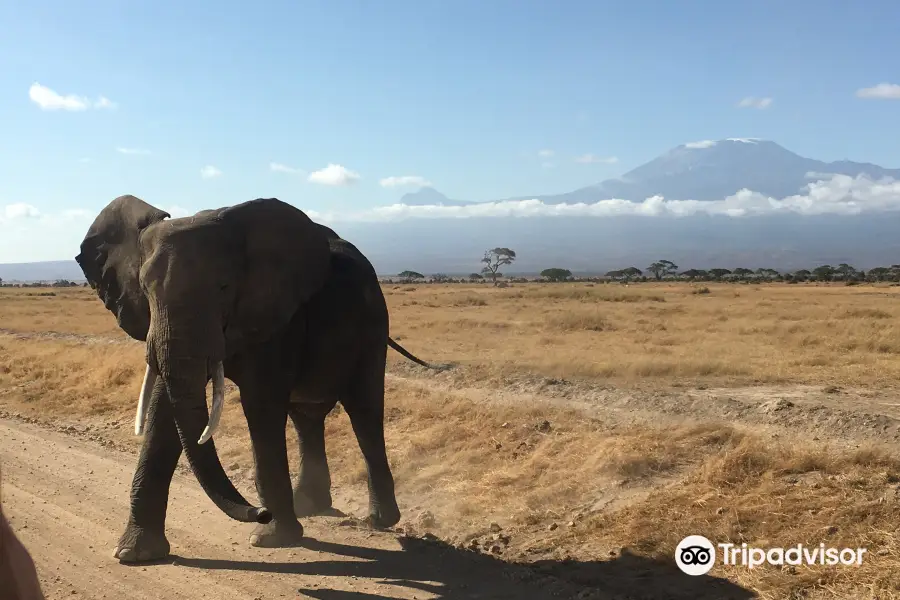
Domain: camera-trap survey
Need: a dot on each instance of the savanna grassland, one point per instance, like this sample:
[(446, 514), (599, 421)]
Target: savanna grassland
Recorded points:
[(591, 422)]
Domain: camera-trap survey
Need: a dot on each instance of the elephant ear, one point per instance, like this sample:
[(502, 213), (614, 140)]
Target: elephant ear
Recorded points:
[(110, 259), (286, 260)]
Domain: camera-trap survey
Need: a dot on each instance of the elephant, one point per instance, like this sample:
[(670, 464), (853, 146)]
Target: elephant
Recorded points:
[(283, 307)]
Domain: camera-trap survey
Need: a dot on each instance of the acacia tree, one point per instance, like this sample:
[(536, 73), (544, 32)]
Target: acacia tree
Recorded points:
[(742, 272), (494, 259), (627, 274), (661, 268), (824, 272), (693, 274), (768, 273), (846, 271), (881, 274), (408, 276), (556, 274)]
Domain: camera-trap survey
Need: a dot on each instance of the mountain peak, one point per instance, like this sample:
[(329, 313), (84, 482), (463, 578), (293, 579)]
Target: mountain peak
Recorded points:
[(716, 169)]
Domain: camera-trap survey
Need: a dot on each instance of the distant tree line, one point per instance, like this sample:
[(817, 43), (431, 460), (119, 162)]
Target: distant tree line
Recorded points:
[(41, 284), (667, 270)]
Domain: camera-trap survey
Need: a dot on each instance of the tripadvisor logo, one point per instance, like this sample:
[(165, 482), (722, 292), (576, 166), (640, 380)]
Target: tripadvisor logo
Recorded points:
[(696, 555)]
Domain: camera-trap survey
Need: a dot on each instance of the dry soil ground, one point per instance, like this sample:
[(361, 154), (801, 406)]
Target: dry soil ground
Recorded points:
[(595, 426)]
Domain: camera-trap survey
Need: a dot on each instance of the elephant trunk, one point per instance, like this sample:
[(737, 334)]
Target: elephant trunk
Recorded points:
[(187, 390)]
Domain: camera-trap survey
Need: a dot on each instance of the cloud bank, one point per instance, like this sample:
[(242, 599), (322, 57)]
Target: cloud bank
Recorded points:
[(839, 195), (48, 99), (22, 223)]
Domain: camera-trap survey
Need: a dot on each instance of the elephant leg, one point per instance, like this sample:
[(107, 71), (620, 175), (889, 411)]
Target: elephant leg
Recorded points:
[(144, 537), (365, 406), (312, 494), (265, 408)]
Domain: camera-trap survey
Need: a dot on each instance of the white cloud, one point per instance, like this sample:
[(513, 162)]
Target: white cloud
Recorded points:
[(404, 180), (840, 194), (591, 159), (209, 172), (882, 91), (334, 175), (19, 210), (701, 144), (280, 168), (48, 99), (545, 153), (548, 165), (758, 103), (140, 151)]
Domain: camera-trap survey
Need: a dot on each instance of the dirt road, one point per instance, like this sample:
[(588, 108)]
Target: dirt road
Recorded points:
[(67, 498)]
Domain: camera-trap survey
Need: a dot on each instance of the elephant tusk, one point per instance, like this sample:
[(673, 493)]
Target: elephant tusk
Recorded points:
[(144, 400), (218, 403)]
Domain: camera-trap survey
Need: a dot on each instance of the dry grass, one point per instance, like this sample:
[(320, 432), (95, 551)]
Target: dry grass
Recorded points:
[(653, 334), (461, 462), (658, 334)]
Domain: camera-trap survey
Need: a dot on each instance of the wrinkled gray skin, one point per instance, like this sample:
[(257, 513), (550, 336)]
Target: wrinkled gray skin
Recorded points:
[(299, 320)]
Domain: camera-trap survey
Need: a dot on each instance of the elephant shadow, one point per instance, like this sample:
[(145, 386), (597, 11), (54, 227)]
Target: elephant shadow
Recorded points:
[(437, 568)]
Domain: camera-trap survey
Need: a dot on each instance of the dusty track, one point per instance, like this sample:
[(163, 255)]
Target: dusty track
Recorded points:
[(67, 499)]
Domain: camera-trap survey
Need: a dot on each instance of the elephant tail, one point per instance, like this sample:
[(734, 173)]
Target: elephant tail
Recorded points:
[(409, 355)]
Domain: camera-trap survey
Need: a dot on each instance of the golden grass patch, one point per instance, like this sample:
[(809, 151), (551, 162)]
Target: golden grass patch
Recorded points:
[(653, 334)]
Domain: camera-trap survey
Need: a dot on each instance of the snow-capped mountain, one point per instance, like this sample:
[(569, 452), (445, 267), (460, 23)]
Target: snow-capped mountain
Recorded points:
[(714, 170)]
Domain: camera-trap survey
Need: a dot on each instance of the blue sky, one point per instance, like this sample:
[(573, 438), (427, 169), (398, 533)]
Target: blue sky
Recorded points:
[(484, 99)]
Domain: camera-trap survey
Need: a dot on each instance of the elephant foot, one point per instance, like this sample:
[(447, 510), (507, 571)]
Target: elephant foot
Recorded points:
[(277, 534), (140, 545), (310, 504), (383, 516)]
